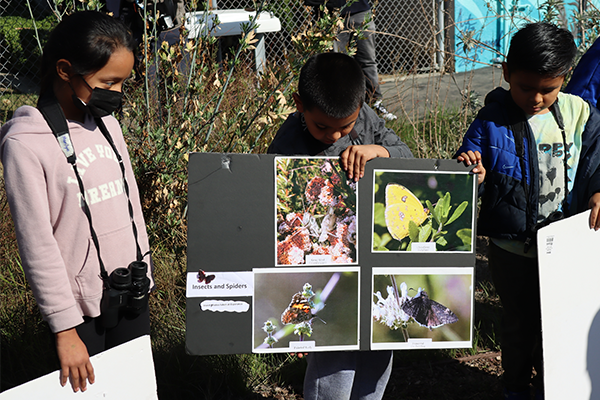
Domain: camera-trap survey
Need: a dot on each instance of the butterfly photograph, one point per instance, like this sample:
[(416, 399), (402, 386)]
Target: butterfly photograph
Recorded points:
[(316, 307), (422, 307), (423, 211)]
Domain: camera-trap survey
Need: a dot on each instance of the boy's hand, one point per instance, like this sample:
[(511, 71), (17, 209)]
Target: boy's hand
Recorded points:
[(354, 158), (299, 355), (594, 205), (75, 362), (473, 158)]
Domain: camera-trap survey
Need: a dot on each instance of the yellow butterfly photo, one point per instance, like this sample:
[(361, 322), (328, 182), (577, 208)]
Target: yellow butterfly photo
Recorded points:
[(423, 211), (401, 207)]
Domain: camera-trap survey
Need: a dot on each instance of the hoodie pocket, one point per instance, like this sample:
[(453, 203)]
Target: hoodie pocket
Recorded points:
[(117, 249)]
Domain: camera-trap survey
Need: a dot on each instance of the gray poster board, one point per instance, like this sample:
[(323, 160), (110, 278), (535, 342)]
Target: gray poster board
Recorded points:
[(232, 231)]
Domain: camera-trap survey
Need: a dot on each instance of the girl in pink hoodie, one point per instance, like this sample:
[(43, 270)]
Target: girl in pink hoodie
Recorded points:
[(85, 62)]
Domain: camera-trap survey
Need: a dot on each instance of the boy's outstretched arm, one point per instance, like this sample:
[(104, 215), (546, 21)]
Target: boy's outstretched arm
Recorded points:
[(594, 205), (473, 158), (355, 157)]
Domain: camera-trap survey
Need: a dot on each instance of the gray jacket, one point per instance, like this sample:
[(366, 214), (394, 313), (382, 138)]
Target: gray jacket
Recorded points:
[(293, 138)]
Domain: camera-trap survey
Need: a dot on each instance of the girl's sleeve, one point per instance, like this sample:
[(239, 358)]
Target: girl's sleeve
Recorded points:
[(44, 267)]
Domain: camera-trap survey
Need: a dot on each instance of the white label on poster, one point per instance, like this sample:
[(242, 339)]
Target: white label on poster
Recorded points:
[(419, 343), (224, 306), (322, 259), (219, 284), (303, 346), (423, 247)]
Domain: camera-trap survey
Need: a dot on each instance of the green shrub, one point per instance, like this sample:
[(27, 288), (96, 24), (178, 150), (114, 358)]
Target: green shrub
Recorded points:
[(20, 36)]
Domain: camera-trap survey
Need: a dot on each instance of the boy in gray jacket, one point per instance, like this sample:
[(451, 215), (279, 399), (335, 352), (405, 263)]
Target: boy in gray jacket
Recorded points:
[(333, 120)]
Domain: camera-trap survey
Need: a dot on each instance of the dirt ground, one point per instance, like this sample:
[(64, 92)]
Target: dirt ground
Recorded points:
[(472, 377)]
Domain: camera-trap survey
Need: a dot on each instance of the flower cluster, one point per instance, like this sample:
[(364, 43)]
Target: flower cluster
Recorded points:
[(388, 311), (269, 328), (304, 240), (330, 229)]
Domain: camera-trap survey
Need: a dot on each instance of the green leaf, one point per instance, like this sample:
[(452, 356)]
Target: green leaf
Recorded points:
[(434, 211), (425, 232), (465, 236), (413, 231), (458, 212), (376, 241), (442, 208), (379, 214), (385, 239), (429, 205)]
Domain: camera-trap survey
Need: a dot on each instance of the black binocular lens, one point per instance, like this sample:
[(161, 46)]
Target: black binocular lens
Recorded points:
[(120, 278)]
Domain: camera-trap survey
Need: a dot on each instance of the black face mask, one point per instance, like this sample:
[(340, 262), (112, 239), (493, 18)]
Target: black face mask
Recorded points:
[(102, 103)]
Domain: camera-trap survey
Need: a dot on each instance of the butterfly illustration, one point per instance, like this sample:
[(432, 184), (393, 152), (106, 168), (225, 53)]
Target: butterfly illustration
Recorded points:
[(298, 311), (401, 207), (202, 277), (428, 313)]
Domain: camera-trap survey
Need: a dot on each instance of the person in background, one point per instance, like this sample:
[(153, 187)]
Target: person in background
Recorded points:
[(354, 16), (171, 16)]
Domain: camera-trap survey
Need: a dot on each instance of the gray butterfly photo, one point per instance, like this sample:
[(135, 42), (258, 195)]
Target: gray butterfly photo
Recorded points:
[(422, 308)]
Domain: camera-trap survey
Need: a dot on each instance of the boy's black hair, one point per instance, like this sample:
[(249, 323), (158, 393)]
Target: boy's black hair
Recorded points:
[(542, 48), (332, 82), (86, 39)]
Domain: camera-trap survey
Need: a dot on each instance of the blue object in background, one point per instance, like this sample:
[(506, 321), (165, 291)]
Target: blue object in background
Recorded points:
[(585, 81), (488, 27)]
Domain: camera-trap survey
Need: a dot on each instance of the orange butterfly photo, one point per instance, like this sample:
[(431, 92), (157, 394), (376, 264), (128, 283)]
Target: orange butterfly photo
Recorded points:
[(312, 307)]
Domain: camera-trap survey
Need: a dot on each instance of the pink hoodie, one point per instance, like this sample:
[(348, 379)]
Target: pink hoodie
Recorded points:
[(53, 233)]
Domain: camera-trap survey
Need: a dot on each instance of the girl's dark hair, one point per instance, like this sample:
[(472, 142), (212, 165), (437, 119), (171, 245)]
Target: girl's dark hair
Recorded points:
[(86, 39), (542, 48), (332, 82)]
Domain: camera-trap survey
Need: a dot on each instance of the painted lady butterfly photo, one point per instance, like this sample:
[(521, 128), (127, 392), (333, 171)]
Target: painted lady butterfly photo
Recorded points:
[(298, 311), (202, 277)]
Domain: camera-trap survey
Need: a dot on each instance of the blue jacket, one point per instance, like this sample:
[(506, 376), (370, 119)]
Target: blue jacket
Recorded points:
[(510, 192), (585, 81)]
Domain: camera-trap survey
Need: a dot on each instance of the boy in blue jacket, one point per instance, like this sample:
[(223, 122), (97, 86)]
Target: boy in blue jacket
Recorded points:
[(537, 153), (333, 120)]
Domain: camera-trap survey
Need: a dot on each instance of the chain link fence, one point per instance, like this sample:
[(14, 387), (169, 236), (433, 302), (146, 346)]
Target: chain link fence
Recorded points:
[(406, 39), (20, 52), (410, 36)]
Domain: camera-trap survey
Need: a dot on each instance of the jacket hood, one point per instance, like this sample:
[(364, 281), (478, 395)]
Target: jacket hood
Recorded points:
[(26, 119), (497, 95)]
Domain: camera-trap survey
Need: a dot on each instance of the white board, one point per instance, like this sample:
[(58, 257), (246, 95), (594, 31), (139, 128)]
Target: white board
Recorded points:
[(569, 254), (123, 372)]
